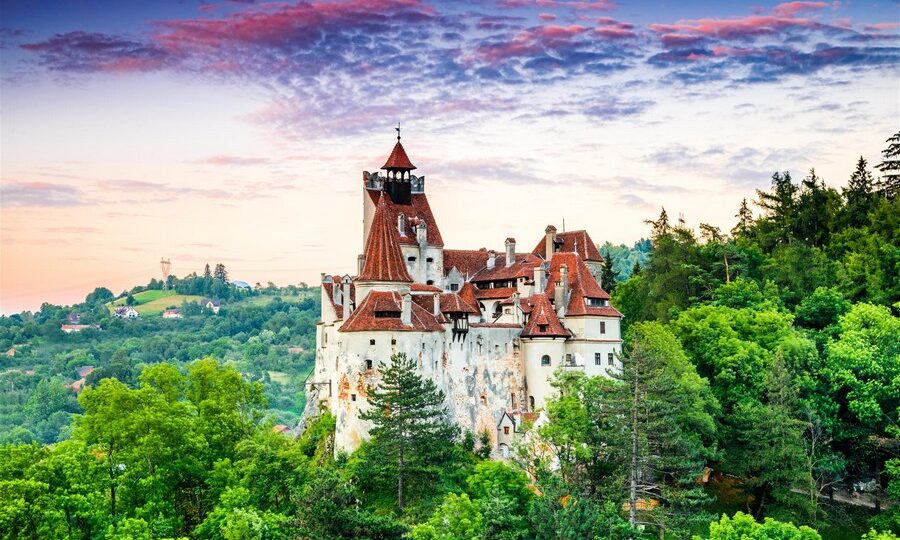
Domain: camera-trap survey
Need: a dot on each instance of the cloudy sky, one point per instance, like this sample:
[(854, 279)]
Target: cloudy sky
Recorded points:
[(237, 131)]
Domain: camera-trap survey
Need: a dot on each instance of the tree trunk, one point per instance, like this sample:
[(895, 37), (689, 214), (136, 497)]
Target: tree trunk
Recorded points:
[(632, 493)]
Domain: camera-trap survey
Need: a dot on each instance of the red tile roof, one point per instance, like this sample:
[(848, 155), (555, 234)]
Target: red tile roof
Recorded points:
[(522, 267), (467, 294), (467, 261), (363, 319), (418, 210), (453, 303), (398, 159), (493, 294), (574, 242), (543, 321), (581, 283), (419, 287), (384, 260)]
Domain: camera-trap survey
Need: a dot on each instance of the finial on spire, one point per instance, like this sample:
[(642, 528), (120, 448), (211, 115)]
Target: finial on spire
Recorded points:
[(398, 131)]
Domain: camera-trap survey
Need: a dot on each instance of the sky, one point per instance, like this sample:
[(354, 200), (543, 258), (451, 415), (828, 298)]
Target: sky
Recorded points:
[(237, 131)]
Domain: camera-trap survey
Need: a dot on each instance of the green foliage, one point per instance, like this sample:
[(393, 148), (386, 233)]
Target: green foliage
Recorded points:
[(410, 432), (746, 528), (821, 309), (457, 517)]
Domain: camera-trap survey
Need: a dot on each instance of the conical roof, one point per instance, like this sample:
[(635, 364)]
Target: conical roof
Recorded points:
[(398, 159), (384, 260)]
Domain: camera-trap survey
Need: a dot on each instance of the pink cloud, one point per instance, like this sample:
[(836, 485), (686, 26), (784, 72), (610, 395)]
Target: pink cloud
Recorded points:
[(547, 17), (234, 160), (881, 27), (529, 42), (791, 9), (600, 5), (738, 28)]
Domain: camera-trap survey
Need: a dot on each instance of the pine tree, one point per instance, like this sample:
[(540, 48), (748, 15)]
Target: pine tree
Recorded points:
[(858, 195), (220, 273), (410, 433), (745, 220), (608, 275), (780, 206), (206, 271), (813, 216), (636, 269), (661, 226), (889, 183), (663, 429)]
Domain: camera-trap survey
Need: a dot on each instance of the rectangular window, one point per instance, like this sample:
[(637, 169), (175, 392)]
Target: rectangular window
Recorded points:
[(610, 359), (545, 360), (598, 359), (352, 397), (393, 342), (602, 327), (454, 286), (371, 342), (506, 430), (569, 361), (368, 364)]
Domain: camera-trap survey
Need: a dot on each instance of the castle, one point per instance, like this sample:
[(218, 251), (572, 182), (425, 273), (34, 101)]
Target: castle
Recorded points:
[(489, 327)]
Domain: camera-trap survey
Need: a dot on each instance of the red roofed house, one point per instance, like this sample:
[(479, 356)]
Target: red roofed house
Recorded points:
[(489, 327)]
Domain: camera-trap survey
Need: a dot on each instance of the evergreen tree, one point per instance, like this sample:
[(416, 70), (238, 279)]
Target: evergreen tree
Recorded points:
[(636, 270), (660, 227), (780, 207), (206, 271), (889, 184), (608, 275), (411, 433), (663, 433), (858, 195), (220, 273), (815, 207), (745, 220)]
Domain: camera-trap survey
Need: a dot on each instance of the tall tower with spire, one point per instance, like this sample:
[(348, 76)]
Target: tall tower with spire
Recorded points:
[(399, 169)]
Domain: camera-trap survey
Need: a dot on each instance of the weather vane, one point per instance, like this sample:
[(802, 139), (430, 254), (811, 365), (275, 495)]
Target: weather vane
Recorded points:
[(398, 131)]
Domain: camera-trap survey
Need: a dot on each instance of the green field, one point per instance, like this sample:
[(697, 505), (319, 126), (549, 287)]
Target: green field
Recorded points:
[(265, 299), (155, 302)]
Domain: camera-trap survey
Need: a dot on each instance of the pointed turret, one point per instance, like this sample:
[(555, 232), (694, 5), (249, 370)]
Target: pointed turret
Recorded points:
[(398, 167), (383, 258)]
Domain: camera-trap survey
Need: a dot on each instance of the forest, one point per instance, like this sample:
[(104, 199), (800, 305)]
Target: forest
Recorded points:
[(759, 399)]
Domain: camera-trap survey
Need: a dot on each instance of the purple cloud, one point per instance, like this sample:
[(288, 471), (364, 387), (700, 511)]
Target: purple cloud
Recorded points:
[(39, 194)]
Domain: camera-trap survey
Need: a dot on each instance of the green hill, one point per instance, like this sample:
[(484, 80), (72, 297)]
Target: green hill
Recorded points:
[(154, 302)]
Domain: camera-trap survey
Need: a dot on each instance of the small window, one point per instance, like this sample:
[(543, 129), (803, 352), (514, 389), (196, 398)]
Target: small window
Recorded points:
[(454, 286), (371, 342), (531, 402), (430, 282), (506, 430), (545, 360), (610, 359), (411, 259), (507, 311), (602, 327), (393, 341), (352, 397), (512, 399), (429, 259), (368, 364), (483, 400), (598, 359)]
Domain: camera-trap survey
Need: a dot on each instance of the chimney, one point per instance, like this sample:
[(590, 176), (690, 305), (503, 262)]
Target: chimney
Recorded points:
[(360, 263), (561, 292), (510, 251), (406, 309), (336, 292), (549, 241), (516, 308), (346, 286), (436, 308), (492, 259), (538, 280), (421, 233)]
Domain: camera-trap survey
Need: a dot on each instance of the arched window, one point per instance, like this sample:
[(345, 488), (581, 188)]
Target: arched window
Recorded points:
[(545, 360)]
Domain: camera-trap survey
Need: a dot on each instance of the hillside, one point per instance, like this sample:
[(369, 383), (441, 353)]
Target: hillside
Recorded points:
[(150, 303)]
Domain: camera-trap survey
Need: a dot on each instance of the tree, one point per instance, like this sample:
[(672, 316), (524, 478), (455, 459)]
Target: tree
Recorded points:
[(608, 274), (660, 226), (100, 295), (457, 517), (745, 220), (746, 528), (889, 183), (663, 430), (821, 309), (780, 208), (859, 195), (220, 273), (129, 300), (206, 271), (816, 208), (410, 430)]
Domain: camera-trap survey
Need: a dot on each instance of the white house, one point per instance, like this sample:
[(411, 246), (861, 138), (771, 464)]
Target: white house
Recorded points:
[(126, 312), (212, 305), (172, 313), (489, 327)]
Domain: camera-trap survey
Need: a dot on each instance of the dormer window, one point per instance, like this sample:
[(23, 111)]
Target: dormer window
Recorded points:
[(387, 314), (597, 302)]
